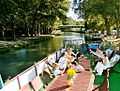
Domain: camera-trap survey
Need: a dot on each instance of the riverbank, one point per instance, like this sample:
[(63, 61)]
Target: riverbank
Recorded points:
[(6, 46), (22, 42)]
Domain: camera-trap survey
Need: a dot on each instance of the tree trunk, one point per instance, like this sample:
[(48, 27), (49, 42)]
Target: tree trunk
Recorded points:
[(38, 29), (13, 29), (14, 35), (3, 35), (28, 31), (86, 27), (107, 27), (118, 27)]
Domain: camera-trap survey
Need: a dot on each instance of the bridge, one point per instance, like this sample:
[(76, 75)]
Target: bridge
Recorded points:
[(67, 28), (71, 26)]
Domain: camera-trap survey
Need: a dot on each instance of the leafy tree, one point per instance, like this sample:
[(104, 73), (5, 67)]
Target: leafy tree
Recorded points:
[(106, 9), (31, 16)]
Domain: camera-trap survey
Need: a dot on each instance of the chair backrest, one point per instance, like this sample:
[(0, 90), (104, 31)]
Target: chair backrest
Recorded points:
[(26, 88), (36, 83)]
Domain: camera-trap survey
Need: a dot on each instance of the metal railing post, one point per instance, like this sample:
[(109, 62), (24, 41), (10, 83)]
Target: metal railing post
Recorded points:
[(18, 82), (36, 73), (56, 56)]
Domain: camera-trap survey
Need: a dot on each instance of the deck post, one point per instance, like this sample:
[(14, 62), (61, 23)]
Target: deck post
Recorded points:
[(36, 73), (56, 56), (18, 82)]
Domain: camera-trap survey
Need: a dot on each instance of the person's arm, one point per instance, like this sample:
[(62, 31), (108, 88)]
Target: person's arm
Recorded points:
[(99, 51), (96, 54)]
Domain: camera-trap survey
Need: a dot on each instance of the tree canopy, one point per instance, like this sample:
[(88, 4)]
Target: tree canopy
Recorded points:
[(31, 16), (102, 14)]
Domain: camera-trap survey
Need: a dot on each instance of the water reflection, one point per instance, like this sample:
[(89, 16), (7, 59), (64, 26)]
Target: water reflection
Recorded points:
[(14, 62), (21, 53), (74, 40)]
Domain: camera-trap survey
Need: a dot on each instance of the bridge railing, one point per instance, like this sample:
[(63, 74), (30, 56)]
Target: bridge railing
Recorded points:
[(71, 26)]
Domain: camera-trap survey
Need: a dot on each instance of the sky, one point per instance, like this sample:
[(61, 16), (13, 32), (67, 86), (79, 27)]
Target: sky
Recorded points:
[(71, 13)]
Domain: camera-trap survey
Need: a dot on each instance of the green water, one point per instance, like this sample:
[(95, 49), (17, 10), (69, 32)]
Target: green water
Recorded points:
[(15, 61)]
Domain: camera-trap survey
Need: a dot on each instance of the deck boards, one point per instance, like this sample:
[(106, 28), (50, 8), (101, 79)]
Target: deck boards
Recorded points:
[(81, 81)]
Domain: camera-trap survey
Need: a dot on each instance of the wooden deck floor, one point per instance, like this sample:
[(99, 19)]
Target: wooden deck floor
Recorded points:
[(82, 81)]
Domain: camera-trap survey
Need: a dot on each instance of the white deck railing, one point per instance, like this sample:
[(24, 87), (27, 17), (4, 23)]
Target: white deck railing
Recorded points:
[(29, 74)]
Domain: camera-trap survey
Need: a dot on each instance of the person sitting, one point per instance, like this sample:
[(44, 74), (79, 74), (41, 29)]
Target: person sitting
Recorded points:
[(61, 66), (79, 57), (99, 67), (70, 74), (63, 63), (77, 67), (56, 70), (48, 67), (51, 61), (102, 62), (70, 56)]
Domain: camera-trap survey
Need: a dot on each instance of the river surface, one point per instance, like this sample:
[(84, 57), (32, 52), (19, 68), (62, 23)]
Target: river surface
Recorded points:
[(16, 61)]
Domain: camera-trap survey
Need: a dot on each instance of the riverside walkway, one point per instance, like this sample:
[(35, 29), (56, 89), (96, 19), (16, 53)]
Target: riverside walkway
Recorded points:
[(82, 82)]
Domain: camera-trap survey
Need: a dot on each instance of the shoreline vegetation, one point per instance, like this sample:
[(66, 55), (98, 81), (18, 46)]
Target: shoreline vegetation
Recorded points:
[(22, 42)]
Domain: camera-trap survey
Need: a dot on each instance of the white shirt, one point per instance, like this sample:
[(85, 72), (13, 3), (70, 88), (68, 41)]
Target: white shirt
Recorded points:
[(99, 68), (62, 63), (51, 59), (105, 61)]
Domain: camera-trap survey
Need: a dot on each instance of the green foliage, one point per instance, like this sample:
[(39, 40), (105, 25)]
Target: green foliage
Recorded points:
[(29, 16), (102, 14)]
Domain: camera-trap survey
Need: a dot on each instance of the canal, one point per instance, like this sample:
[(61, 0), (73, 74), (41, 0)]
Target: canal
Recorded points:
[(16, 61)]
